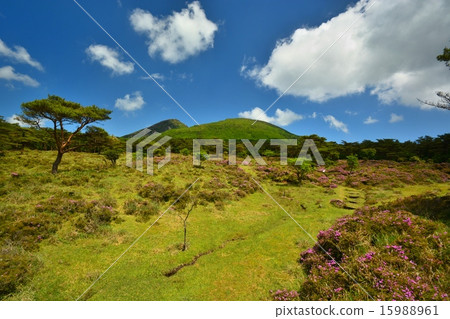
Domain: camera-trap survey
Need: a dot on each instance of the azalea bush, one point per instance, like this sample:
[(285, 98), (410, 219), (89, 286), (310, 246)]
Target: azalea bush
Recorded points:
[(393, 255), (387, 174), (157, 192), (142, 209)]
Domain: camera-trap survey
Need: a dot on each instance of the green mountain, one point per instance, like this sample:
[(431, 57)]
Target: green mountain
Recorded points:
[(237, 128), (161, 127)]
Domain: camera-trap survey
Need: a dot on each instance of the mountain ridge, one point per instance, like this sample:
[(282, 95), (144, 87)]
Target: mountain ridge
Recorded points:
[(160, 127)]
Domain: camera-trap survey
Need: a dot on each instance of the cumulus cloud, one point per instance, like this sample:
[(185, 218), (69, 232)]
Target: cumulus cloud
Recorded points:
[(8, 73), (109, 58), (370, 120), (338, 125), (281, 118), (395, 118), (178, 36), (390, 51), (19, 54), (14, 120), (130, 102)]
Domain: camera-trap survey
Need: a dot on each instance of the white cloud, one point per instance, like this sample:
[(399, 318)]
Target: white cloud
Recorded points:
[(130, 102), (313, 116), (178, 36), (370, 120), (109, 58), (8, 73), (376, 54), (19, 54), (395, 118), (351, 113), (156, 76), (340, 126), (281, 118), (14, 120)]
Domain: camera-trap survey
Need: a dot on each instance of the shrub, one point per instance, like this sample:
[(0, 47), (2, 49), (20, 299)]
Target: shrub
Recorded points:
[(426, 205), (29, 231), (94, 215), (269, 153), (284, 295), (185, 152), (157, 192), (352, 162), (216, 197), (394, 255), (300, 170), (112, 155), (16, 268), (141, 209)]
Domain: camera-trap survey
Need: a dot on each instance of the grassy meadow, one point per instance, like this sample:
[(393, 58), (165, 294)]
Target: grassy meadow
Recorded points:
[(240, 245)]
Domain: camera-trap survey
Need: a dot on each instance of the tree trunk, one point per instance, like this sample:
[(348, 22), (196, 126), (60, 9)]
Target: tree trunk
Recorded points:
[(56, 163), (185, 231)]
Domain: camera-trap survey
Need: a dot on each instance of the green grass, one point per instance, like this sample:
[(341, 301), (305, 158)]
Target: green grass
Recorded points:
[(262, 258)]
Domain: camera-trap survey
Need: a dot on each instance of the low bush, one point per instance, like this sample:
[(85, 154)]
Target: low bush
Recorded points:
[(393, 255), (157, 192), (426, 205), (16, 267), (142, 209), (93, 215)]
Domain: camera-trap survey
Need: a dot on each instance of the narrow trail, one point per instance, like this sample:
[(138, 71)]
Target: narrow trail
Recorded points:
[(353, 199), (173, 271)]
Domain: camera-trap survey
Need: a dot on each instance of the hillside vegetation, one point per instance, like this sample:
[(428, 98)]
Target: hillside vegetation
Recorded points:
[(231, 129), (60, 232)]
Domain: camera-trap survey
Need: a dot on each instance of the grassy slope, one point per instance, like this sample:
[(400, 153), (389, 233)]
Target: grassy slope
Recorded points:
[(231, 129), (246, 269)]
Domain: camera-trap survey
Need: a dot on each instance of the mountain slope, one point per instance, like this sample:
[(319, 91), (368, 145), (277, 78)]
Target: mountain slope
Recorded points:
[(161, 127), (237, 128)]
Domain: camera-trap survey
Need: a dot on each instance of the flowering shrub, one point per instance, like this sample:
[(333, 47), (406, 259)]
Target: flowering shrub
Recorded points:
[(157, 192), (142, 209), (87, 216), (384, 173), (284, 295), (427, 205), (393, 255)]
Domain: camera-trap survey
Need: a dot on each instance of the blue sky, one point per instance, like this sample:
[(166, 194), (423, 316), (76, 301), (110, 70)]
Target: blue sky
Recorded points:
[(225, 59)]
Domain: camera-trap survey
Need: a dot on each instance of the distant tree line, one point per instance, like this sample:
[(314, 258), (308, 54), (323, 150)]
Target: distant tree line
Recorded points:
[(96, 140), (435, 149)]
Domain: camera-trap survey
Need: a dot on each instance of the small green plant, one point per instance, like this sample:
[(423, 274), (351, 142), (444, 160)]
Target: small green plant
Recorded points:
[(185, 152), (269, 153), (301, 170), (112, 155), (352, 163)]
